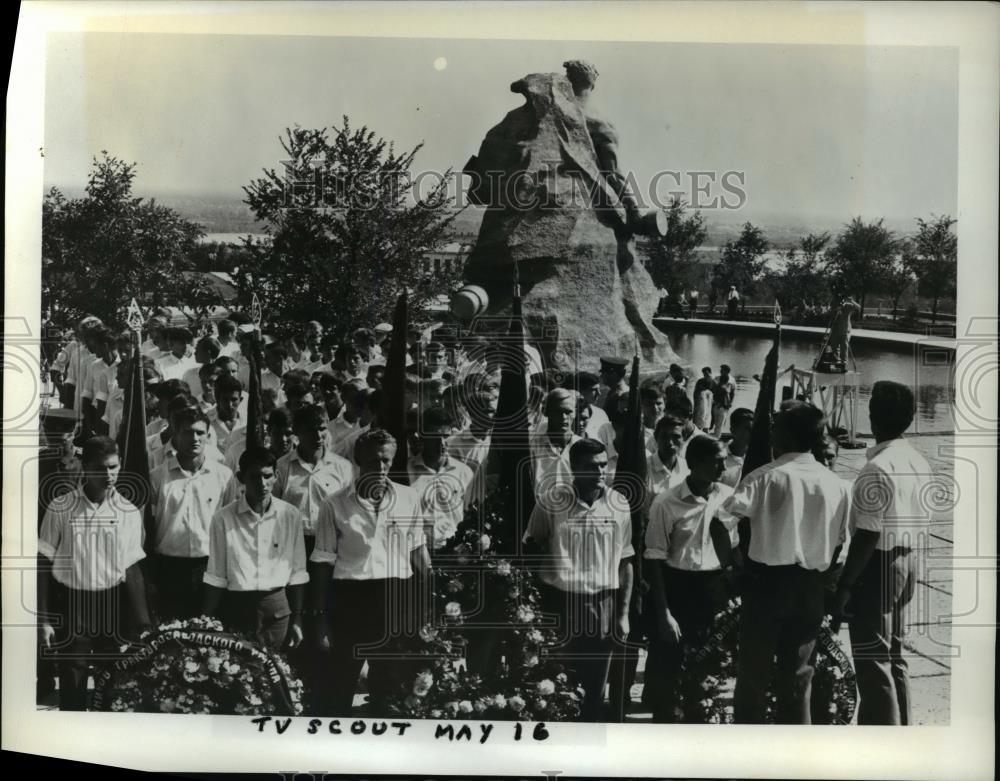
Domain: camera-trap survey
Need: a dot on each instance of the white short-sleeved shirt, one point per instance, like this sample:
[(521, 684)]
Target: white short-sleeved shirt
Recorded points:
[(105, 380), (91, 545), (339, 428), (236, 446), (184, 504), (473, 452), (223, 429), (797, 509), (442, 495), (363, 542), (889, 496), (251, 552), (659, 478), (91, 371), (173, 368), (678, 528), (550, 463), (113, 411), (586, 543), (345, 447), (306, 486)]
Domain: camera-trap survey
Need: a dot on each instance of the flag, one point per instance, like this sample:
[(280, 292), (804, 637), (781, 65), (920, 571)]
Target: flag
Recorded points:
[(255, 406), (759, 449), (394, 390), (133, 479), (509, 445)]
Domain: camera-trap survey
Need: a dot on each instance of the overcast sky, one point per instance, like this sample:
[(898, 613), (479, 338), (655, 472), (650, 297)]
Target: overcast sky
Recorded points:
[(830, 131)]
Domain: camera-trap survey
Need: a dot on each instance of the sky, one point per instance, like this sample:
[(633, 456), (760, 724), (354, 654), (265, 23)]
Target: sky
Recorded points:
[(818, 131)]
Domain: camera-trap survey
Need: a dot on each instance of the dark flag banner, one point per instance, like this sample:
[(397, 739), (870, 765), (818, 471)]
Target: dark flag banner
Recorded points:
[(509, 447), (759, 449), (630, 481), (133, 480), (394, 389), (255, 406)]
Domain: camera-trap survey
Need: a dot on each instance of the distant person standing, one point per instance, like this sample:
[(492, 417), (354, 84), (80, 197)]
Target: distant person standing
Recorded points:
[(840, 332), (889, 521), (732, 302), (703, 395), (722, 400), (693, 302)]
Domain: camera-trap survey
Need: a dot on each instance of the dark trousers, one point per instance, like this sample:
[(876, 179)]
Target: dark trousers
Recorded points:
[(367, 618), (179, 586), (877, 627), (694, 599), (263, 615), (92, 628), (781, 616), (310, 662), (586, 631)]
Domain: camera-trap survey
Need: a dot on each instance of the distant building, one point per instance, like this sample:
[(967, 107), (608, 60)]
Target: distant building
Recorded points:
[(447, 260)]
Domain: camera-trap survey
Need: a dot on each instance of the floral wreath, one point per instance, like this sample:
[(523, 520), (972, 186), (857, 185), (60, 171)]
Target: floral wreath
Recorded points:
[(194, 666)]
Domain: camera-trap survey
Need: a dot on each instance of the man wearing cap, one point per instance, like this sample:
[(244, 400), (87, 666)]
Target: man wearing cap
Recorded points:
[(613, 372)]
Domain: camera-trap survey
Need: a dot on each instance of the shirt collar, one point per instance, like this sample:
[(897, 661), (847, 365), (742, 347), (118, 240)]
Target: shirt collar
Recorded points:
[(366, 504), (417, 464), (96, 505), (326, 458), (876, 449), (798, 458), (174, 464), (243, 508)]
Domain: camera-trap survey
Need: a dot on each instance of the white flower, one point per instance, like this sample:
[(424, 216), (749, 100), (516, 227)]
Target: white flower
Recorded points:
[(541, 705), (503, 568), (500, 701), (437, 713), (190, 666), (531, 661), (480, 705), (427, 633), (451, 707), (423, 683), (561, 678), (545, 686), (484, 542), (454, 586), (412, 701), (465, 706), (516, 704), (525, 615), (536, 636), (453, 610)]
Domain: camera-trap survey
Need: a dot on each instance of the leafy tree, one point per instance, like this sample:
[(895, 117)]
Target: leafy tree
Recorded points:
[(932, 256), (862, 259), (669, 259), (741, 262), (344, 231), (803, 278), (100, 251)]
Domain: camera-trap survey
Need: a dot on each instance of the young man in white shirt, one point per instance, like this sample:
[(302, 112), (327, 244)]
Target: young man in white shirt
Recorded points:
[(472, 446), (687, 587), (186, 494), (371, 550), (228, 345), (741, 425), (256, 569), (550, 448), (889, 523), (585, 564), (665, 468), (174, 364), (206, 352), (441, 482), (90, 545), (797, 511)]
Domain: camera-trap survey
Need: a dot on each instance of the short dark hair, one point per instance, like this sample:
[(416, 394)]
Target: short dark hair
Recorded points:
[(226, 327), (701, 447), (224, 360), (179, 335), (259, 457), (725, 368), (584, 448), (669, 420), (208, 369), (373, 439), (227, 383), (891, 407), (188, 416), (329, 382), (214, 348), (706, 369), (279, 418), (435, 418), (170, 388), (311, 416), (680, 406), (802, 424), (584, 380), (97, 449), (740, 415), (650, 393), (296, 377), (277, 348)]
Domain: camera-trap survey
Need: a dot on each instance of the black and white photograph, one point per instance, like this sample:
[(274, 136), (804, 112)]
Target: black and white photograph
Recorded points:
[(509, 384)]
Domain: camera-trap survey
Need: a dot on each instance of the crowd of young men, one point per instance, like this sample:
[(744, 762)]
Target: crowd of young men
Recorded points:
[(239, 531)]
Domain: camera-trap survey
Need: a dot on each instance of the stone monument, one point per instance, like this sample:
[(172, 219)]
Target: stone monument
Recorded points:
[(559, 210)]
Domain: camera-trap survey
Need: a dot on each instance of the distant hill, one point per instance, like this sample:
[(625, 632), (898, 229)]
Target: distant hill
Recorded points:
[(225, 213)]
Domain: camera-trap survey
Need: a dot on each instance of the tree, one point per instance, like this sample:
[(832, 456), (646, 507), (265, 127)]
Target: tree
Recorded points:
[(344, 231), (669, 259), (932, 257), (100, 251), (741, 262), (803, 278), (862, 259)]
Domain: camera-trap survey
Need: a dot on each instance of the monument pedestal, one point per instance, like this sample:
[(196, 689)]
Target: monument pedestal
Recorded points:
[(834, 393)]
